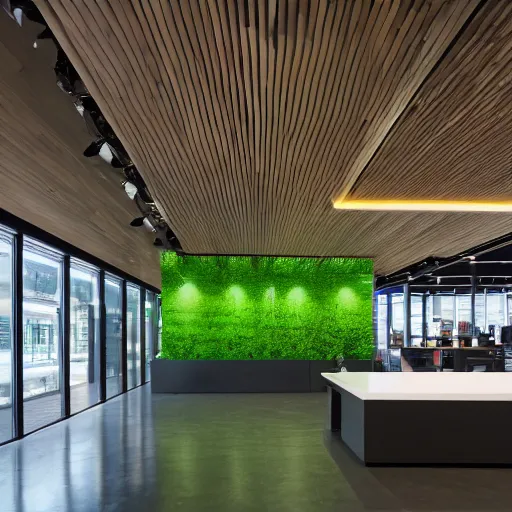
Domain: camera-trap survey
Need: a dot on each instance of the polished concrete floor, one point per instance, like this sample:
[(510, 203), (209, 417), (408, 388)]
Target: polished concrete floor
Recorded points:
[(222, 453), (47, 408)]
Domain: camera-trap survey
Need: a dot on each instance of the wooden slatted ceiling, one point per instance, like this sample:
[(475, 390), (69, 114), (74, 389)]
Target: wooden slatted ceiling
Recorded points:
[(247, 118), (43, 177), (443, 147)]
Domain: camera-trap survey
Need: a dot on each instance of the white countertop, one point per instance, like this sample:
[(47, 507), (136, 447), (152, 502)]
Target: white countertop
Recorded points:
[(425, 385)]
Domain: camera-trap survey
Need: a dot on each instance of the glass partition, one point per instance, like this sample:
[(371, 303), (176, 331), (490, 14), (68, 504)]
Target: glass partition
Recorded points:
[(6, 339), (150, 331), (84, 336), (113, 308), (42, 352), (133, 335)]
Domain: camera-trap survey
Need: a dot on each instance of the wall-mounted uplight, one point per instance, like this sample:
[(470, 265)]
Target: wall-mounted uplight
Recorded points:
[(297, 296), (188, 294), (424, 206), (270, 294), (347, 297), (237, 295)]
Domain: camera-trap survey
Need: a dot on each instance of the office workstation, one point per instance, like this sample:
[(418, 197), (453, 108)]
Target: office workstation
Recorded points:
[(482, 353), (447, 315)]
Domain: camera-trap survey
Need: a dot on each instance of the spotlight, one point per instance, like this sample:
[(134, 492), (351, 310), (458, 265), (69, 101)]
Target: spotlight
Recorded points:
[(18, 15), (130, 189), (158, 242), (80, 109), (106, 153), (94, 148), (136, 223)]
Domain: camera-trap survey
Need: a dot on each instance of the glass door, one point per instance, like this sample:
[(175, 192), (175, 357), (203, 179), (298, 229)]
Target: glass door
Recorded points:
[(150, 331), (42, 350), (6, 336), (84, 336), (113, 307), (133, 336)]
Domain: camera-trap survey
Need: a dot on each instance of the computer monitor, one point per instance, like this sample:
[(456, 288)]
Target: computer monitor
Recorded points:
[(484, 340), (506, 334)]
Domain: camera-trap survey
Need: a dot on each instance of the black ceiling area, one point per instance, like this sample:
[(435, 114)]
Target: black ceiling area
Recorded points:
[(488, 265)]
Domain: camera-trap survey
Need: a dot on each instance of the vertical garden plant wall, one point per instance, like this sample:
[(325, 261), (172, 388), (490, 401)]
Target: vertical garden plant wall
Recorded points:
[(244, 307)]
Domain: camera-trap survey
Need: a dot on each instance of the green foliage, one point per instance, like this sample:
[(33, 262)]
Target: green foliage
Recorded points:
[(245, 307)]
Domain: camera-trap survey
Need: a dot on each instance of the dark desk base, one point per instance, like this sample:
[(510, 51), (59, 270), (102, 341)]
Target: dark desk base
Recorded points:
[(420, 432)]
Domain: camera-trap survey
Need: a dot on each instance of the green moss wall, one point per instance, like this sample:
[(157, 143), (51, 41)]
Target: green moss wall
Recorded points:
[(238, 307)]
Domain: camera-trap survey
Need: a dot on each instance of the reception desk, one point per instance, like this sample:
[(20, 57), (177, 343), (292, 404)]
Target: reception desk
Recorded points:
[(423, 418)]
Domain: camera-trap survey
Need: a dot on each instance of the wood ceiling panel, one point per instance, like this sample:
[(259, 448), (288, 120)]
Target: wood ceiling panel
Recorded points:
[(44, 179), (247, 118), (455, 139)]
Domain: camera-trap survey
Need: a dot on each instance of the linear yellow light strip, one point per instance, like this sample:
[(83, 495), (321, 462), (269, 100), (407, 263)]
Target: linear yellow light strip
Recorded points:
[(424, 206)]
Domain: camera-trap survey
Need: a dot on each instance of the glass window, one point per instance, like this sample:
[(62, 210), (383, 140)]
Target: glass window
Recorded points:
[(447, 311), (150, 331), (6, 333), (440, 315), (397, 318), (113, 307), (480, 312), (42, 275), (463, 315), (133, 335), (416, 319), (84, 336), (495, 311), (382, 320)]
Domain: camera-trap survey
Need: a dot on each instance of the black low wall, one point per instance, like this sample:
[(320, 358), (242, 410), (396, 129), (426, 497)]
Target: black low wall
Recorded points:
[(243, 376)]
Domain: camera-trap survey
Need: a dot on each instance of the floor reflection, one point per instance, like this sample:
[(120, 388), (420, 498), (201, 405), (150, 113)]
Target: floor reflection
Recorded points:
[(223, 453), (102, 459), (422, 488), (246, 453)]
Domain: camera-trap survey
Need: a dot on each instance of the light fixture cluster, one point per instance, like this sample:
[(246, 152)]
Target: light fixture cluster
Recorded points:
[(105, 144)]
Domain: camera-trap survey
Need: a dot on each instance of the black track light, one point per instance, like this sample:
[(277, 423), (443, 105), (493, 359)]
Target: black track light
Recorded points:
[(116, 163), (158, 242), (138, 222), (94, 148)]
